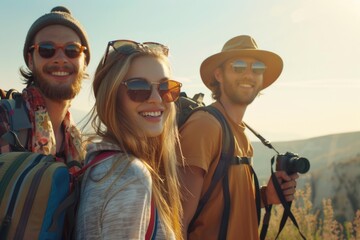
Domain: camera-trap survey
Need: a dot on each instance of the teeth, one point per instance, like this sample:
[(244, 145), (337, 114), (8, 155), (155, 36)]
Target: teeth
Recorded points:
[(60, 73), (151, 114), (245, 85)]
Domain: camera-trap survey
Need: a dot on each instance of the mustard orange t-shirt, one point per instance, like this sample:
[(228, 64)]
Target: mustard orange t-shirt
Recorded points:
[(201, 139)]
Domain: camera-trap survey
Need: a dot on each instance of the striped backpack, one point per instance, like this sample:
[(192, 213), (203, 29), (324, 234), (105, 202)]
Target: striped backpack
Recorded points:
[(39, 197), (32, 186)]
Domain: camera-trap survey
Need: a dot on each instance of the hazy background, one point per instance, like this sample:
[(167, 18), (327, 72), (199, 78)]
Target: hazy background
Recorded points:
[(319, 41)]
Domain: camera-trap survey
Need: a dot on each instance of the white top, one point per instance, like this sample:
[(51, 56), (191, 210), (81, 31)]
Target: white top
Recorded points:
[(117, 205)]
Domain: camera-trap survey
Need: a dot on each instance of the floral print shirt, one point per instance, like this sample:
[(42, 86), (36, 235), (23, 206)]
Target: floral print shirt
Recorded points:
[(41, 138)]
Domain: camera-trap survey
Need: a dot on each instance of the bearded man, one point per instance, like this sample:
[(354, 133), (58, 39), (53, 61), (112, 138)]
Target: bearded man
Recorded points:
[(56, 53), (235, 77)]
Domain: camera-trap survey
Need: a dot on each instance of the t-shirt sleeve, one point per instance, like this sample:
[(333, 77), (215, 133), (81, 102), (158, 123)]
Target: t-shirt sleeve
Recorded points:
[(200, 138)]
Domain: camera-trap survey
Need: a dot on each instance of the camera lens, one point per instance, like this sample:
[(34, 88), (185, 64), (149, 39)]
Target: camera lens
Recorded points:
[(302, 165)]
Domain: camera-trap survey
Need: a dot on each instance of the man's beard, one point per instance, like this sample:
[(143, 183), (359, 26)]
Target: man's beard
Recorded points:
[(59, 92), (231, 90)]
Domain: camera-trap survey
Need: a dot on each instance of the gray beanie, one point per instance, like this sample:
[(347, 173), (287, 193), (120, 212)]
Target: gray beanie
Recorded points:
[(58, 16)]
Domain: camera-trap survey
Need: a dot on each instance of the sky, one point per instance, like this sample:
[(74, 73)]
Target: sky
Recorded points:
[(319, 41)]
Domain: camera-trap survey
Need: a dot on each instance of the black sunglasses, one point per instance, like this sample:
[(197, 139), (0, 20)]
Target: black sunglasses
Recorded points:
[(128, 47), (140, 89), (240, 66), (48, 49)]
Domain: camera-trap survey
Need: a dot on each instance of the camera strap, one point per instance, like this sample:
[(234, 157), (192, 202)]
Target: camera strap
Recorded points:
[(287, 205)]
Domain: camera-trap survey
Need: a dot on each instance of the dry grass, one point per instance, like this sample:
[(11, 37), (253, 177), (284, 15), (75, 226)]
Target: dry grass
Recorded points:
[(314, 225)]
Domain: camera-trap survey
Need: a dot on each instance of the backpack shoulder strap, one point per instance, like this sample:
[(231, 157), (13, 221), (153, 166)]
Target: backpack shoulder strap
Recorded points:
[(97, 159), (152, 228), (227, 152), (70, 203)]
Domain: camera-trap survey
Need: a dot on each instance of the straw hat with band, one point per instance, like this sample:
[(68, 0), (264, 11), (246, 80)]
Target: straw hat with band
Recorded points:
[(242, 46), (58, 16)]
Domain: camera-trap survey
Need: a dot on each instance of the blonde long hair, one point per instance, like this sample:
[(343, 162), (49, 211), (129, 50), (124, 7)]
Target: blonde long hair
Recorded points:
[(157, 153)]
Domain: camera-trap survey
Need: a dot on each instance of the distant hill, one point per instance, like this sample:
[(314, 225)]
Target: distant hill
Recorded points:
[(321, 151), (334, 171), (339, 182)]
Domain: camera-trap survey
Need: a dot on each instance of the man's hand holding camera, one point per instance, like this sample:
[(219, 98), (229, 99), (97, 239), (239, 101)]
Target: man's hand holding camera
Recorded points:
[(288, 166), (287, 184)]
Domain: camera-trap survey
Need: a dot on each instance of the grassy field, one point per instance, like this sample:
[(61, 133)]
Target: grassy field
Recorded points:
[(314, 225)]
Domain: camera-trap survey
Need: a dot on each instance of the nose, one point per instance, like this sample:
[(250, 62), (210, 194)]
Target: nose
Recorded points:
[(155, 95), (248, 73), (60, 56)]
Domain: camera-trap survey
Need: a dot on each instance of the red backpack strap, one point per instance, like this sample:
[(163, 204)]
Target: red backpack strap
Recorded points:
[(98, 158), (70, 204), (151, 231)]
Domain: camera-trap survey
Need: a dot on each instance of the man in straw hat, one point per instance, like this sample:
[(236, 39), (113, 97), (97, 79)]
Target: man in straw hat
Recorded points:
[(235, 76), (56, 53)]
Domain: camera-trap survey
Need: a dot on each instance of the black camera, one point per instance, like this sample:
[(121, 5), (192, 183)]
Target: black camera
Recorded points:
[(292, 163)]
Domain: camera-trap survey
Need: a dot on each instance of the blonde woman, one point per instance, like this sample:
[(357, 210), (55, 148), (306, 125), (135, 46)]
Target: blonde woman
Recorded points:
[(135, 121)]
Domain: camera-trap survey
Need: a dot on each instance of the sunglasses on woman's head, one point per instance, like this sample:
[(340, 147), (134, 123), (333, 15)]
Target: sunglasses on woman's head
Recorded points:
[(139, 89), (240, 66), (128, 47), (49, 49)]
